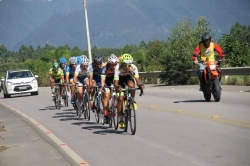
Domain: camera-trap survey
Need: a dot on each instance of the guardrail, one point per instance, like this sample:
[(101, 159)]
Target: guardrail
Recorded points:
[(225, 71)]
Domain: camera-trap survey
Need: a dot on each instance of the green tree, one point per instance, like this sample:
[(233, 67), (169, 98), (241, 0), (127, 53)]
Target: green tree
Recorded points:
[(180, 46), (237, 51)]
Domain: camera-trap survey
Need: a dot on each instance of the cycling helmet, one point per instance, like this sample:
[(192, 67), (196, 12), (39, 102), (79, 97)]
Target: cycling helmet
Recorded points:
[(206, 39), (126, 58), (112, 59), (73, 60), (83, 56), (79, 59), (85, 61), (63, 60), (55, 66), (98, 59)]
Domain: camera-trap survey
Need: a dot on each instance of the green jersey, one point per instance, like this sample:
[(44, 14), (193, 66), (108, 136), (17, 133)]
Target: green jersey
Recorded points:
[(55, 75)]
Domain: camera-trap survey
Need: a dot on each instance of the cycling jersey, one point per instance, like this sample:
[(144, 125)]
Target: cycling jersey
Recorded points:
[(97, 73), (119, 71), (70, 71), (107, 74), (82, 74), (54, 75)]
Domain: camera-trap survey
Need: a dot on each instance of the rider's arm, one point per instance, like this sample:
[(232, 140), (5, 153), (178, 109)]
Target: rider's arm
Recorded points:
[(90, 79), (219, 50), (196, 53)]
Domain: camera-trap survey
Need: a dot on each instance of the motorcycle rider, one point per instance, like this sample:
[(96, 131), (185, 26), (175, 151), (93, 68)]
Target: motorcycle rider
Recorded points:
[(206, 48)]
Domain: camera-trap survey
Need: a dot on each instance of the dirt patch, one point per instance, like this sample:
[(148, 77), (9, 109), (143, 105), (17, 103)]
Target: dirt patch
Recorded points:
[(2, 128), (2, 148)]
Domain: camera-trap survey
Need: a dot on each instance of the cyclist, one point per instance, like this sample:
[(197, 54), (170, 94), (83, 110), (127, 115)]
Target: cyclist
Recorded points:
[(70, 75), (96, 68), (125, 73), (206, 48), (107, 77), (56, 76), (82, 76), (63, 66)]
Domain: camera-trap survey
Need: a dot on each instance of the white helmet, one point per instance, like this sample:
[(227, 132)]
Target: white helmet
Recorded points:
[(85, 61), (73, 60), (83, 56), (113, 59)]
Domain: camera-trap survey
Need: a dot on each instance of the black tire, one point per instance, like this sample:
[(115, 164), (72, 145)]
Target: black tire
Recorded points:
[(86, 106), (79, 110), (132, 116), (126, 118), (207, 96), (100, 108), (216, 90), (113, 112), (76, 108), (116, 118), (66, 99)]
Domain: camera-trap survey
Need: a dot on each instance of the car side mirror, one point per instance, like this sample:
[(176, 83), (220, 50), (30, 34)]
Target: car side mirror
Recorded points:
[(36, 76)]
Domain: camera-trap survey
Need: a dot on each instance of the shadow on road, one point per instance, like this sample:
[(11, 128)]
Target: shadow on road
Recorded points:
[(48, 108), (190, 101)]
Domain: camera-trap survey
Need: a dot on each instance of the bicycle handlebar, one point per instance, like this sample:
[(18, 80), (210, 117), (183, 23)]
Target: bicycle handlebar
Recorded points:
[(130, 89)]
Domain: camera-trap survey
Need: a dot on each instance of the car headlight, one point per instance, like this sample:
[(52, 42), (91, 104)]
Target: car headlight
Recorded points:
[(33, 81), (212, 67), (9, 83)]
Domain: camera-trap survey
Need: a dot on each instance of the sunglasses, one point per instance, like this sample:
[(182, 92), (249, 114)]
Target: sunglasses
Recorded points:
[(126, 64), (73, 64)]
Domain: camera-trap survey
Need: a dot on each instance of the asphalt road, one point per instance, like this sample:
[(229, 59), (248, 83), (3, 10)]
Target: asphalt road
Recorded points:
[(175, 126)]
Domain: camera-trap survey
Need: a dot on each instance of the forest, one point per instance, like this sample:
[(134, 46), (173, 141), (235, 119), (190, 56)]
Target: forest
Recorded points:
[(172, 56)]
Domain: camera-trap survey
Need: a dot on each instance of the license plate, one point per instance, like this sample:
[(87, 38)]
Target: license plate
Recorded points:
[(22, 88)]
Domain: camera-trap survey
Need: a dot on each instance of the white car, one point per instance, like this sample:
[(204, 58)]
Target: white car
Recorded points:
[(19, 81)]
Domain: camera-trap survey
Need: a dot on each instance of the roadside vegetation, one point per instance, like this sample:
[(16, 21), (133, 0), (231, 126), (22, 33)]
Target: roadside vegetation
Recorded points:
[(172, 56)]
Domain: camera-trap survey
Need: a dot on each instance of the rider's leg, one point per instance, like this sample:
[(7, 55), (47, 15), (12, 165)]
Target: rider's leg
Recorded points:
[(106, 97), (79, 95), (201, 79), (92, 94)]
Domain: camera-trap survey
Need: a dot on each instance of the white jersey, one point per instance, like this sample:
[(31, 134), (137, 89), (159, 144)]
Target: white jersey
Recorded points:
[(81, 73), (119, 71)]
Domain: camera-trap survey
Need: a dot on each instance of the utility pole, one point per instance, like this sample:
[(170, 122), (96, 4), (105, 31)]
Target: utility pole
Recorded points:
[(87, 30)]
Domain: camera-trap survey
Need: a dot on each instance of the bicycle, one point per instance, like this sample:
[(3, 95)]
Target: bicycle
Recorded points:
[(85, 105), (57, 97), (98, 110), (129, 113), (112, 106)]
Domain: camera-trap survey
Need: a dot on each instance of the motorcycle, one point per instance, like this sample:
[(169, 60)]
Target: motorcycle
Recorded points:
[(212, 77)]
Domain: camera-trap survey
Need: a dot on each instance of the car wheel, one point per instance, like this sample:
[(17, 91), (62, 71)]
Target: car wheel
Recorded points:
[(6, 95), (34, 93)]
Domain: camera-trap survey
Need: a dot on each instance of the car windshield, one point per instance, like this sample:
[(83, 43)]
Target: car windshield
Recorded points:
[(19, 74)]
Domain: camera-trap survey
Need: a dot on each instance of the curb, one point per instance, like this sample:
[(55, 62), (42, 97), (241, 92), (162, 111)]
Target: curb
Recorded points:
[(67, 153)]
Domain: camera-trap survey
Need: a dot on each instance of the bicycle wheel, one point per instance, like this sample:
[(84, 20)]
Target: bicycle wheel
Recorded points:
[(100, 107), (132, 116), (66, 99), (86, 106), (79, 110), (126, 121), (116, 118), (56, 101), (112, 112)]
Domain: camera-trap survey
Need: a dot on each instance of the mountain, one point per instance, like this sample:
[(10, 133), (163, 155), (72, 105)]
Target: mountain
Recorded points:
[(18, 18), (115, 23)]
